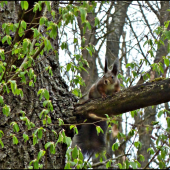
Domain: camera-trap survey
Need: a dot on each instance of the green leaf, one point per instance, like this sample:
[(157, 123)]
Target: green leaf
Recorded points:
[(35, 164), (36, 32), (131, 133), (119, 165), (133, 164), (53, 32), (49, 120), (60, 138), (99, 129), (15, 140), (26, 137), (166, 61), (159, 157), (67, 166), (44, 111), (1, 133), (44, 121), (31, 73), (76, 92), (46, 94), (52, 148), (13, 86), (150, 151), (42, 20), (48, 5), (142, 158), (83, 14), (96, 20), (2, 54), (88, 25), (53, 13), (163, 153), (46, 102), (1, 100), (138, 145), (31, 83), (2, 3), (6, 110), (40, 134), (2, 144), (115, 146), (167, 34), (75, 41), (134, 113), (35, 141), (89, 50), (68, 140), (9, 40), (81, 156), (24, 24), (161, 68), (69, 66), (41, 154), (168, 121), (64, 45), (25, 45), (161, 165), (24, 5), (75, 152), (160, 113), (61, 122), (155, 122), (15, 126), (4, 39), (48, 144), (108, 164)]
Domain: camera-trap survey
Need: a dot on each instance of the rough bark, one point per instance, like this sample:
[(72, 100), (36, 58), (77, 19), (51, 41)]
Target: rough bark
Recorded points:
[(20, 155), (140, 96)]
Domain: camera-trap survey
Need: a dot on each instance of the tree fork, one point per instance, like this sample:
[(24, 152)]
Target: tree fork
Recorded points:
[(136, 97)]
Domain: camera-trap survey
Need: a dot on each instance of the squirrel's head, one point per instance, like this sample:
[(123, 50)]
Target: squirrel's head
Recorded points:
[(111, 75), (115, 67)]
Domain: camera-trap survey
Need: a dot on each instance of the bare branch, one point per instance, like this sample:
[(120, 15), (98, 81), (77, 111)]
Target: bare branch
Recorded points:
[(137, 40), (154, 156), (156, 12), (146, 21), (104, 162)]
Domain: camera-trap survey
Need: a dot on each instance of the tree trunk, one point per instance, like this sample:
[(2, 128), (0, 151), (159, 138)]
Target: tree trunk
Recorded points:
[(20, 155), (92, 75)]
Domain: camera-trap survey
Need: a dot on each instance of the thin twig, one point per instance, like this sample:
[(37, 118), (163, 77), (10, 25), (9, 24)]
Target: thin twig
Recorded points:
[(154, 156)]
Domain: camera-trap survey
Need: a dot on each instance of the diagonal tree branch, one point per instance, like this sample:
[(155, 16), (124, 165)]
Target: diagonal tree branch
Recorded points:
[(151, 7), (148, 94)]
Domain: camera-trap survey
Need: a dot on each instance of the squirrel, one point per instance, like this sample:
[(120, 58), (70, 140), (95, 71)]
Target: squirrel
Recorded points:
[(87, 139)]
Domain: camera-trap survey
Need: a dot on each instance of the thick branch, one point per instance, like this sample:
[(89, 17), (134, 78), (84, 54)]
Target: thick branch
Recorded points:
[(148, 94)]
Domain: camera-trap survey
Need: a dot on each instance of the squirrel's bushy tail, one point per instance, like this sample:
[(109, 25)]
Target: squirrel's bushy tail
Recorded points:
[(88, 139)]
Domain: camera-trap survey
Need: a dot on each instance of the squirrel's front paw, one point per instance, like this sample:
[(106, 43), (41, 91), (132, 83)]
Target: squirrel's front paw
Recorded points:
[(104, 97)]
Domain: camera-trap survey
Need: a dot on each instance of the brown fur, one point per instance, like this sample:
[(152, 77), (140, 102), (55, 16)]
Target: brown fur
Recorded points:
[(107, 85), (87, 138)]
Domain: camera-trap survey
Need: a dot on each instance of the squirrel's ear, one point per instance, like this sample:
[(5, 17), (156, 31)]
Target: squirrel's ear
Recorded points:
[(105, 68), (115, 67)]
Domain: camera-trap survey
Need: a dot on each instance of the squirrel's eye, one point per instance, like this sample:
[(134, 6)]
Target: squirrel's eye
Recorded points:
[(112, 77)]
